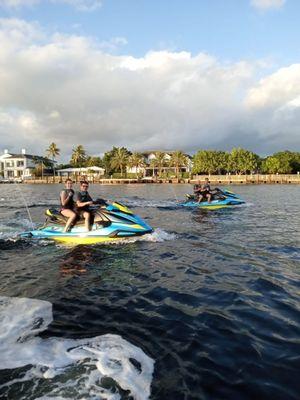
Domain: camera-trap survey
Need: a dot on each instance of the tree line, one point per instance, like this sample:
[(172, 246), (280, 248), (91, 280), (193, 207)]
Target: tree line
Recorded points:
[(242, 161), (237, 161), (118, 159)]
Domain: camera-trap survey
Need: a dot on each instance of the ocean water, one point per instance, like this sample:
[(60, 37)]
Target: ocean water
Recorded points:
[(206, 307)]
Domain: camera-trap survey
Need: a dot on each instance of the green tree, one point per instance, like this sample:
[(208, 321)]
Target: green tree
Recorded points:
[(210, 162), (178, 160), (136, 160), (282, 162), (119, 159), (242, 161), (52, 152), (289, 161), (160, 161), (271, 165), (93, 162), (78, 157), (41, 164), (223, 160), (153, 165), (107, 162)]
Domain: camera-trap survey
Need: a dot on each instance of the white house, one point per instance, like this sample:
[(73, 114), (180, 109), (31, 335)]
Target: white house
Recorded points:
[(150, 169), (95, 171), (20, 166)]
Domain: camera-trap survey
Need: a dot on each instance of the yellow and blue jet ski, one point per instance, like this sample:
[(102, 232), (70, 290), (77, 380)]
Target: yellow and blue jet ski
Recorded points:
[(220, 199), (111, 222)]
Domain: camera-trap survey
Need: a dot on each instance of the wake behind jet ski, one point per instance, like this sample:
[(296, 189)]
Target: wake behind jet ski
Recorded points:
[(220, 199), (111, 222)]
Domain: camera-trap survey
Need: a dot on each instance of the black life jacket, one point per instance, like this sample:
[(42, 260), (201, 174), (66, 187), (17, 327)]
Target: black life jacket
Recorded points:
[(70, 205)]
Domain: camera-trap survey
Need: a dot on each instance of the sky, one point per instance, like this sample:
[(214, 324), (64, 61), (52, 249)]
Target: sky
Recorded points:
[(160, 74)]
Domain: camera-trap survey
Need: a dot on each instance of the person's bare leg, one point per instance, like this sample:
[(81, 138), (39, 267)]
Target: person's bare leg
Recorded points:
[(98, 218), (200, 198), (71, 219), (208, 197), (87, 217)]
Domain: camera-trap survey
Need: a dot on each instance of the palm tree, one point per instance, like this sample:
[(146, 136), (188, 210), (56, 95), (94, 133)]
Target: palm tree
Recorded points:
[(120, 159), (136, 160), (153, 164), (52, 152), (78, 157), (178, 159), (160, 161)]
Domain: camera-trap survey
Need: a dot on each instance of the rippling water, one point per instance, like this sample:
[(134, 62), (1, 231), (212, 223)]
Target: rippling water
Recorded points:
[(210, 299)]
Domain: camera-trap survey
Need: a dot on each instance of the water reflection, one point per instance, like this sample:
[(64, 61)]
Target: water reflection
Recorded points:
[(76, 262)]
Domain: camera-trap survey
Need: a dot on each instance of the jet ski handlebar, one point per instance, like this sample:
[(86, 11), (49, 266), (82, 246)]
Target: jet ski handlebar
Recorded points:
[(100, 202)]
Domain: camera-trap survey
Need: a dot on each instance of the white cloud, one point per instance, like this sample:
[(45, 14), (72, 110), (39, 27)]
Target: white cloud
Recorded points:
[(113, 44), (17, 3), (279, 88), (267, 4), (80, 5), (67, 89)]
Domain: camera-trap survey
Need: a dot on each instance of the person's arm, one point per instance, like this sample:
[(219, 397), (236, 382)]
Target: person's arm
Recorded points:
[(64, 198)]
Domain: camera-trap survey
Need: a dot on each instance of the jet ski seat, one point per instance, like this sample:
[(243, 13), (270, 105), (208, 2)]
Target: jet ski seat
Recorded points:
[(55, 216)]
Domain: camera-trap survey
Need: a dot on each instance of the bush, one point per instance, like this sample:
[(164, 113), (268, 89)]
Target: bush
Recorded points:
[(117, 175), (185, 175)]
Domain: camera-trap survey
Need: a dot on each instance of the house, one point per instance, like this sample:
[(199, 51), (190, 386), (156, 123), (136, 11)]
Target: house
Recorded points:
[(94, 171), (151, 169), (20, 166)]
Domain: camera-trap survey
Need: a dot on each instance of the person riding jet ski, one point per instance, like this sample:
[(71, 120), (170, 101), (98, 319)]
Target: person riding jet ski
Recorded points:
[(84, 209), (68, 204), (83, 203), (203, 191)]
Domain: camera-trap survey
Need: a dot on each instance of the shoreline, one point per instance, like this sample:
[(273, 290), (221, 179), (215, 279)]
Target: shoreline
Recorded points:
[(257, 179)]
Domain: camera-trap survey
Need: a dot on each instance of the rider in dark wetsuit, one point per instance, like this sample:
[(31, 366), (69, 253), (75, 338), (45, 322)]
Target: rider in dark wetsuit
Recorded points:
[(67, 204), (203, 191), (83, 203)]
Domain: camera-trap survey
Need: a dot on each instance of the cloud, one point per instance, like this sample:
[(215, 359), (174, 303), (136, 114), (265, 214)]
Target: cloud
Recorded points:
[(267, 4), (80, 5), (17, 3), (113, 44), (70, 90)]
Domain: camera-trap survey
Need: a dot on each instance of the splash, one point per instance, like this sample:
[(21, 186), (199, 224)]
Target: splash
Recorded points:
[(10, 229), (95, 368), (159, 235)]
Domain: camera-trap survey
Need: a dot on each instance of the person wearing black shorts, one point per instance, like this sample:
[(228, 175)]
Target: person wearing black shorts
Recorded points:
[(205, 191), (83, 203)]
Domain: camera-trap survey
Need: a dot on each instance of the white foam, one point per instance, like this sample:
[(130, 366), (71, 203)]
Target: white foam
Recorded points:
[(159, 235), (78, 366), (9, 231)]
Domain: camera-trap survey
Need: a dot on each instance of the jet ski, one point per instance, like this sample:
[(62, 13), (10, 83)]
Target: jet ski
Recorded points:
[(220, 199), (111, 222)]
